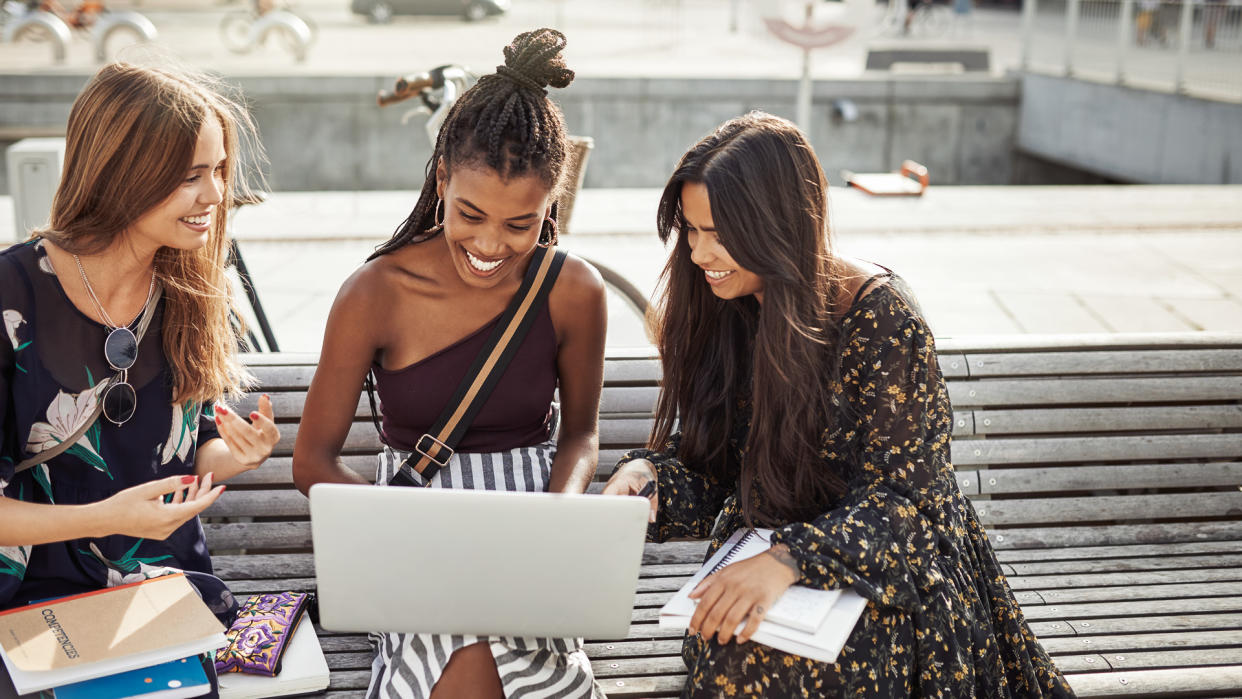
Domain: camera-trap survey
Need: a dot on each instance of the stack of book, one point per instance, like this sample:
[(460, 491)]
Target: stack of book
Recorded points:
[(811, 623), (135, 640)]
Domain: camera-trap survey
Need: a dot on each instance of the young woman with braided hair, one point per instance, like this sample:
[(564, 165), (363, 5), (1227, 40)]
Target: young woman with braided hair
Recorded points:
[(418, 312)]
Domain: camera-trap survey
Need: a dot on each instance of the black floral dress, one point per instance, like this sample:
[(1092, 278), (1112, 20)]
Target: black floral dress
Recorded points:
[(51, 367), (941, 620)]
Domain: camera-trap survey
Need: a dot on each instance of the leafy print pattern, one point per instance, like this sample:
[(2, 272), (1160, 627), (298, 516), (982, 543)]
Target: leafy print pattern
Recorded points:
[(65, 414)]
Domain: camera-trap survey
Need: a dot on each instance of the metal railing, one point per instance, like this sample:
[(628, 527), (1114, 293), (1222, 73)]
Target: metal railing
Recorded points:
[(1192, 47)]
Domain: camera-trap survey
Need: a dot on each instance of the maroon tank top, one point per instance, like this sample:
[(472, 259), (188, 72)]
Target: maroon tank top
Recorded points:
[(517, 414)]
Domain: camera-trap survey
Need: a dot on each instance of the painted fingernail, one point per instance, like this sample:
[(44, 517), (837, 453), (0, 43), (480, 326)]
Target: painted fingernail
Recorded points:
[(219, 420), (267, 396), (188, 479), (222, 410), (254, 416)]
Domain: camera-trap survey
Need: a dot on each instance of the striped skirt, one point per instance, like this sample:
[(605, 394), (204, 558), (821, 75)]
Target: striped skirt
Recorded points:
[(407, 665)]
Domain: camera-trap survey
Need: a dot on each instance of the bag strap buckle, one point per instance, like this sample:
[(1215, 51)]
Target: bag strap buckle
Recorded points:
[(441, 459)]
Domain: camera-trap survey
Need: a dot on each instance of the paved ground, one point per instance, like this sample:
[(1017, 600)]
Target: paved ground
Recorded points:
[(983, 260), (639, 38)]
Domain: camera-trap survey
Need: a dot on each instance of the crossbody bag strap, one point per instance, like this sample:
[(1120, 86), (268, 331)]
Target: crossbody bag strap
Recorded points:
[(48, 454), (434, 449)]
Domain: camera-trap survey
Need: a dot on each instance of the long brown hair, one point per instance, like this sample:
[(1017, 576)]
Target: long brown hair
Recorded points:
[(129, 142), (768, 199), (505, 122)]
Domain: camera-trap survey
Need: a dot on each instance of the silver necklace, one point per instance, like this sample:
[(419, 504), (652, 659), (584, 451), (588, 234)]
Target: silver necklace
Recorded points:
[(102, 313)]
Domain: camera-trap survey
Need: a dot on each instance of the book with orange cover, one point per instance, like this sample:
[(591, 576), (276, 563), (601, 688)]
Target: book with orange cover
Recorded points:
[(76, 638)]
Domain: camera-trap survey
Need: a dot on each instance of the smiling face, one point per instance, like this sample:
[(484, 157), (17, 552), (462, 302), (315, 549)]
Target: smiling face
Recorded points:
[(491, 225), (728, 279), (184, 219)]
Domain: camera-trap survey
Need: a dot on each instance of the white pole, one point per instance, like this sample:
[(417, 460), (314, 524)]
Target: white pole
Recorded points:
[(804, 87), (1071, 33), (1183, 43), (804, 94), (1125, 29), (1028, 31)]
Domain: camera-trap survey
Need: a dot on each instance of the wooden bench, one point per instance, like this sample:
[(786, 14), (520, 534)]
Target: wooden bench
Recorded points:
[(1106, 469)]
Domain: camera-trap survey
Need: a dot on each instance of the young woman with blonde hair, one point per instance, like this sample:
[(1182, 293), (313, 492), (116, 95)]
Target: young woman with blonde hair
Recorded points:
[(119, 343)]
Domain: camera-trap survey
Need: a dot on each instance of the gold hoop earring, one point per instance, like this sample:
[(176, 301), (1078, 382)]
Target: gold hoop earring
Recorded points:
[(548, 232), (438, 224)]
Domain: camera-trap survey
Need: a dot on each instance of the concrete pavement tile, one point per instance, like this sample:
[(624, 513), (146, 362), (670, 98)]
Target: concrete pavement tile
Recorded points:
[(1218, 315), (955, 314), (1050, 312), (1135, 313)]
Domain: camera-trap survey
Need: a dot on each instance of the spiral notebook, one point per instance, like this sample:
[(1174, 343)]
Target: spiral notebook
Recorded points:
[(812, 623)]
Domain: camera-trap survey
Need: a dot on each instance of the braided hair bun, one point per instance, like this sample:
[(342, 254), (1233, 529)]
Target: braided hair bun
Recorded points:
[(533, 60), (507, 123)]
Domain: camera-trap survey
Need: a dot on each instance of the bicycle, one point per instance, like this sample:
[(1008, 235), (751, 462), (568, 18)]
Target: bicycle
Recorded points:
[(80, 19), (242, 30), (925, 19), (49, 21)]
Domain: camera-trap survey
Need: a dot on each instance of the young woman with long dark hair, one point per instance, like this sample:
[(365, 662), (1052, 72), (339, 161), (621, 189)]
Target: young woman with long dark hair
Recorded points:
[(801, 393), (122, 301), (417, 314)]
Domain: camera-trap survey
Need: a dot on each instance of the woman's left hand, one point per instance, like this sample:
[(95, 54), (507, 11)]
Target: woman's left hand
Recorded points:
[(249, 443), (742, 592)]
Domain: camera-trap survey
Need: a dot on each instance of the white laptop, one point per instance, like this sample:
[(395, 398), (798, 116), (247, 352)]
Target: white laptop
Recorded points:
[(437, 560)]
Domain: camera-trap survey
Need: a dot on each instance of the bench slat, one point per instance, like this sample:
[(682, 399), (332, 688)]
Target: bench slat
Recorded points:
[(278, 470), (1148, 682), (627, 649), (1051, 584), (658, 686), (619, 667), (1147, 608), (1109, 508), (1046, 392), (1115, 565), (1129, 625), (1078, 478), (979, 452), (1144, 660), (1105, 535), (1104, 362), (616, 371), (1063, 420), (1124, 551), (1134, 642), (288, 404)]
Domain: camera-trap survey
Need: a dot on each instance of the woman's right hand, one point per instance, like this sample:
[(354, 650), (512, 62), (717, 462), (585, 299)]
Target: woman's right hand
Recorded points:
[(630, 478), (141, 511)]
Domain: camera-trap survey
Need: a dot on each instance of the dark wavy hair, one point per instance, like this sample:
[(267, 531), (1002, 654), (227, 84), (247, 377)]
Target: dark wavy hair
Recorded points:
[(506, 122), (769, 206)]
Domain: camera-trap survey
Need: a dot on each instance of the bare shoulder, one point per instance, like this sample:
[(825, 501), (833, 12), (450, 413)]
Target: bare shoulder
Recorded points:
[(854, 274), (579, 282), (577, 302)]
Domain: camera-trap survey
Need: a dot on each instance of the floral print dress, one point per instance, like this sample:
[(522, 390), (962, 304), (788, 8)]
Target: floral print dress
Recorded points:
[(941, 620), (51, 368)]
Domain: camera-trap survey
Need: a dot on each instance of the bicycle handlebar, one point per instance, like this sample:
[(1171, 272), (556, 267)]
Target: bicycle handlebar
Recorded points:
[(411, 85)]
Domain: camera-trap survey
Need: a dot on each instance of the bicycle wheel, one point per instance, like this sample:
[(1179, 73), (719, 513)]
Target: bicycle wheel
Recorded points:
[(932, 20), (235, 30)]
